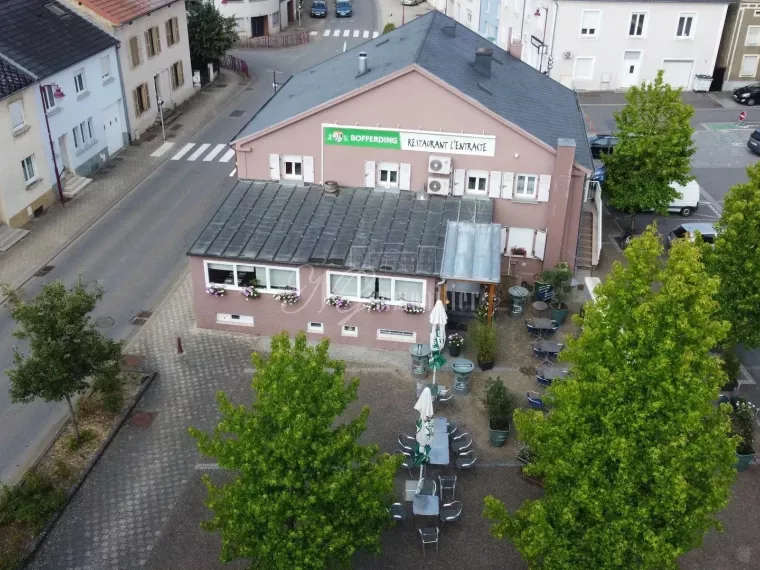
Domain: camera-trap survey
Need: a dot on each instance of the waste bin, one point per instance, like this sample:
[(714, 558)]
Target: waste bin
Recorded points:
[(462, 369), (518, 297), (420, 358), (702, 83)]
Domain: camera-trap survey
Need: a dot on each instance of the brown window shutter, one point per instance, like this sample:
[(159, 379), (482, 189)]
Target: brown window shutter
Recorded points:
[(175, 25), (134, 50), (168, 28), (181, 75), (145, 96), (136, 101), (156, 40)]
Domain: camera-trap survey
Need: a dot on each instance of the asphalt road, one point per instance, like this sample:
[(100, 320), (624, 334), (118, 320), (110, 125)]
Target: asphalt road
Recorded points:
[(137, 250)]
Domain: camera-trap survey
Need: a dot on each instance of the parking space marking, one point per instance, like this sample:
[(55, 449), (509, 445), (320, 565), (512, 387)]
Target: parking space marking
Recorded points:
[(375, 34), (327, 33)]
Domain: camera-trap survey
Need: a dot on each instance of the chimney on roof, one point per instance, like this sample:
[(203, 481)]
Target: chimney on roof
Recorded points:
[(362, 62), (515, 49), (451, 30), (483, 57)]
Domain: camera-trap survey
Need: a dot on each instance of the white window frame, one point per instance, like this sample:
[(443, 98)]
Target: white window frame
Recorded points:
[(22, 125), (28, 181), (389, 167), (349, 330), (757, 13), (469, 16), (259, 288), (478, 175), (690, 35), (754, 72), (575, 68), (644, 26), (525, 197), (755, 29), (237, 320), (359, 299), (80, 85), (314, 327), (595, 31), (296, 161), (48, 98), (105, 67), (396, 336), (240, 25), (83, 134)]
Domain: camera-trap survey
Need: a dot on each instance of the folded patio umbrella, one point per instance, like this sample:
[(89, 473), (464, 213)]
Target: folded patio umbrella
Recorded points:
[(424, 436), (438, 321)]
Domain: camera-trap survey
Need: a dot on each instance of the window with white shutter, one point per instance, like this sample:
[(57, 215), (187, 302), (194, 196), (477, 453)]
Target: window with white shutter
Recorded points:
[(308, 169), (590, 20), (494, 184), (459, 176), (507, 182), (544, 184), (405, 176)]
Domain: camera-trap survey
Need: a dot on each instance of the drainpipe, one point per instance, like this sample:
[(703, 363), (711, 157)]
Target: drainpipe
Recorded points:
[(522, 20), (123, 93), (440, 286), (52, 148), (554, 32)]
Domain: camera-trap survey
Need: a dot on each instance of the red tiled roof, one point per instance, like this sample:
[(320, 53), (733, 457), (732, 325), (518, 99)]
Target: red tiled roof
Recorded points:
[(121, 11)]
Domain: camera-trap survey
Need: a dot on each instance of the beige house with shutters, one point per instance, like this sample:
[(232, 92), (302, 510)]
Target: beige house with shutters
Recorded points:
[(154, 54)]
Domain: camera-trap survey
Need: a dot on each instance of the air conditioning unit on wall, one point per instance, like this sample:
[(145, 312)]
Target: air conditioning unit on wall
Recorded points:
[(439, 165), (438, 186)]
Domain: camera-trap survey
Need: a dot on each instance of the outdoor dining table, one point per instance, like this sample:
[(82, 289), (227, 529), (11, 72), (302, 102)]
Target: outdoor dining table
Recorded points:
[(554, 371), (549, 348), (543, 326), (426, 505), (439, 446)]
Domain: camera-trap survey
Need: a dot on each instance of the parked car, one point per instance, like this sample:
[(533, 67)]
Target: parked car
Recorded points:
[(707, 230), (687, 201), (318, 9), (343, 9), (602, 144), (411, 2), (753, 143), (748, 95)]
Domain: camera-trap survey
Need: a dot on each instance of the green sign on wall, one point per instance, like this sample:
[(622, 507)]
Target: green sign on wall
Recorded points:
[(347, 136)]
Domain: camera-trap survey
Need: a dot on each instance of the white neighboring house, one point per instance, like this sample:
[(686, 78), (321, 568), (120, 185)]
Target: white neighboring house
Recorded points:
[(153, 53), (466, 12), (609, 45), (529, 22), (81, 95), (263, 17)]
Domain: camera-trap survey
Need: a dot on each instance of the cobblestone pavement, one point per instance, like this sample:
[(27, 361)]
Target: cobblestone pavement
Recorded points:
[(61, 225)]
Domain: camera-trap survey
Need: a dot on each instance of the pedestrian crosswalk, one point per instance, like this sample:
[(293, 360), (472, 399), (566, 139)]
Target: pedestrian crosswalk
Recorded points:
[(204, 152), (364, 34)]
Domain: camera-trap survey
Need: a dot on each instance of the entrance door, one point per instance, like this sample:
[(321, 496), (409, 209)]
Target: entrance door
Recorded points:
[(64, 163), (258, 26), (631, 68), (677, 73), (112, 127)]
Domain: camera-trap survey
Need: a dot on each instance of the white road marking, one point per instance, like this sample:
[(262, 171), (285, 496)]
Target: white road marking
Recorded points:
[(366, 34), (162, 149), (200, 151), (217, 149), (344, 47), (233, 172), (313, 33), (356, 33), (375, 34), (184, 151), (227, 155), (327, 33), (346, 33)]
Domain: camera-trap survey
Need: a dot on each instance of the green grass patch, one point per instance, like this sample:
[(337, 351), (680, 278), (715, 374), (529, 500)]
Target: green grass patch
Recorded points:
[(85, 437)]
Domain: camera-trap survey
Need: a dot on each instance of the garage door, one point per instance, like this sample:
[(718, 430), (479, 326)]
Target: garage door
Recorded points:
[(677, 72), (112, 127)]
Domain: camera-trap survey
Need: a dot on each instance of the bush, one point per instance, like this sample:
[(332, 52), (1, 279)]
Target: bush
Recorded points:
[(31, 502), (743, 425), (485, 340), (500, 403), (731, 366), (85, 437), (560, 279), (111, 386), (389, 27)]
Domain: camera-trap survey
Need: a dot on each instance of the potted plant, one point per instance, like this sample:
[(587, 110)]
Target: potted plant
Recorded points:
[(542, 290), (559, 278), (518, 251), (731, 366), (485, 344), (500, 404), (527, 457), (456, 341), (743, 426), (215, 290)]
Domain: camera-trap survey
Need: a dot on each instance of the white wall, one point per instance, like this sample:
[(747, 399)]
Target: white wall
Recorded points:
[(248, 9), (466, 12), (658, 43), (74, 109)]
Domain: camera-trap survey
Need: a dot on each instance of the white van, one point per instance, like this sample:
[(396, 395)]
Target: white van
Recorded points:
[(688, 201)]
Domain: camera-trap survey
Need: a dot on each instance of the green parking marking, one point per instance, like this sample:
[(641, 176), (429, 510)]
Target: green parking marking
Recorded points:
[(728, 126)]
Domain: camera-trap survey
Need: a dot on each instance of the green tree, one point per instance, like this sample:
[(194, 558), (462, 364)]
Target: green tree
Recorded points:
[(736, 260), (389, 27), (655, 149), (66, 350), (210, 34), (635, 456), (306, 495)]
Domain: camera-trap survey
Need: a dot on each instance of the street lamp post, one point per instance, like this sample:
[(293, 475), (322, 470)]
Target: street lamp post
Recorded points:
[(543, 39), (161, 113), (58, 94)]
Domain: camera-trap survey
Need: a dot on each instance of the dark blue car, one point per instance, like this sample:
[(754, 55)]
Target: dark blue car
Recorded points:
[(343, 9), (318, 9)]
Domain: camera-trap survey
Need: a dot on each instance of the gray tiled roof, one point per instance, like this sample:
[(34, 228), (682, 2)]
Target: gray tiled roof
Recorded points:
[(44, 37), (12, 79), (358, 228), (515, 91)]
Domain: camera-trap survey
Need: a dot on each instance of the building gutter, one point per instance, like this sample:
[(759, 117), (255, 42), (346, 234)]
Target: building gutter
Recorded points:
[(123, 93), (554, 32)]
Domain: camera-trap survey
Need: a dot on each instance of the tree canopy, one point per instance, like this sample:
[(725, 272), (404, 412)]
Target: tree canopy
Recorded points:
[(635, 456), (210, 34), (654, 149), (736, 260), (66, 350), (306, 494)]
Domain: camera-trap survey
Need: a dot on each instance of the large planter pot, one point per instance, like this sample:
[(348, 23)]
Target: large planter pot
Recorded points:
[(558, 314), (743, 461), (485, 365), (454, 350), (542, 291), (497, 437), (730, 386)]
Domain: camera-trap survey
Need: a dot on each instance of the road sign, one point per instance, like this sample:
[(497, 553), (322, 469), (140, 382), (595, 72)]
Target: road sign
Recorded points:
[(742, 116)]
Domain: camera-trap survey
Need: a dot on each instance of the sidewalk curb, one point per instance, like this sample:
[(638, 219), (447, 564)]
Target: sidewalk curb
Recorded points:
[(40, 539), (161, 161)]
